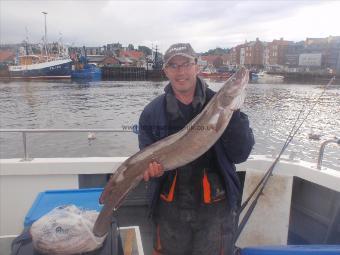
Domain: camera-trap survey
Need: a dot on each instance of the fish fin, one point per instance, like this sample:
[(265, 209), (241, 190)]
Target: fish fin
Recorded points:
[(238, 101)]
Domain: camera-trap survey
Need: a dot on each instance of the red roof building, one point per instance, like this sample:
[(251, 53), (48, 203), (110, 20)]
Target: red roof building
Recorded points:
[(277, 51), (253, 53), (110, 61), (234, 54), (134, 54), (7, 56), (215, 60), (210, 58)]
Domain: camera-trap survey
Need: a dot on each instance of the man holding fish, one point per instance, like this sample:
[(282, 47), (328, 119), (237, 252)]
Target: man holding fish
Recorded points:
[(194, 206)]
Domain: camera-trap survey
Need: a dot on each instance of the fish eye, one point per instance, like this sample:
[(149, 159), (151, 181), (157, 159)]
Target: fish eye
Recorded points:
[(59, 229)]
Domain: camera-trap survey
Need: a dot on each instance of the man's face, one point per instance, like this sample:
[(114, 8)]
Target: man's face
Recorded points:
[(182, 72)]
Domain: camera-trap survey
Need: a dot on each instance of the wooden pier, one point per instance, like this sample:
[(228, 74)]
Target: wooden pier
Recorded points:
[(307, 77), (131, 73)]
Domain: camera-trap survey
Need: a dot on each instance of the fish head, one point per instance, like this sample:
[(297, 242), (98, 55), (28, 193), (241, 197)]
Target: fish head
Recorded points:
[(232, 93), (237, 83)]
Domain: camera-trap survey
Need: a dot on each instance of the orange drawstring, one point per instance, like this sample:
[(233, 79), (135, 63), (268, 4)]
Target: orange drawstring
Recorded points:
[(206, 189), (171, 195)]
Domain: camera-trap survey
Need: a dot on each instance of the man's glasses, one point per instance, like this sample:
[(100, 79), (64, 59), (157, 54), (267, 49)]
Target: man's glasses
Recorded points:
[(184, 66)]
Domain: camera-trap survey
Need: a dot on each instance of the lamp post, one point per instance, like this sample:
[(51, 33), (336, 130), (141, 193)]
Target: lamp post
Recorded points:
[(45, 37)]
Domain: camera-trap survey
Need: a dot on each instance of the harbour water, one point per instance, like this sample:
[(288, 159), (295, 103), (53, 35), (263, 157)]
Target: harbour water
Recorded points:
[(272, 109)]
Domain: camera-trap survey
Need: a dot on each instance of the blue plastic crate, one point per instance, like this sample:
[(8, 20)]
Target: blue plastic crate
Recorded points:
[(293, 250), (48, 200)]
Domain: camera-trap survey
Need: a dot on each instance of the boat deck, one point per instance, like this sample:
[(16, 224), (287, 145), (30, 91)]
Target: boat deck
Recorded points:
[(306, 199)]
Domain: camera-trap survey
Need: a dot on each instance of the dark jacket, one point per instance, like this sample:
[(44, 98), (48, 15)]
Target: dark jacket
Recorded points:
[(233, 147)]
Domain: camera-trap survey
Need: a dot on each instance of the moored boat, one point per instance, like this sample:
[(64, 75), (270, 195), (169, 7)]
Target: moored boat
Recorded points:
[(82, 69), (263, 76), (33, 67), (46, 65), (88, 72), (216, 75)]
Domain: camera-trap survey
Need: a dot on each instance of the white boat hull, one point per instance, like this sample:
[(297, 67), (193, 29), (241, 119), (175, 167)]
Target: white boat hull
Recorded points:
[(59, 68)]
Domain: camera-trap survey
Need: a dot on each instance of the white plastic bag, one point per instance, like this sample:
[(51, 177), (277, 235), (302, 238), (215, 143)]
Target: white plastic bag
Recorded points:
[(66, 230)]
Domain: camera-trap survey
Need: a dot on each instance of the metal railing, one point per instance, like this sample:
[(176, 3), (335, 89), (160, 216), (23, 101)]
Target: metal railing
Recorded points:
[(322, 150), (133, 129), (90, 132)]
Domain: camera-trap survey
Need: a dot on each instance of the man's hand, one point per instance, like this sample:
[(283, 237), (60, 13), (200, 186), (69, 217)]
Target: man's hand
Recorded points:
[(154, 170)]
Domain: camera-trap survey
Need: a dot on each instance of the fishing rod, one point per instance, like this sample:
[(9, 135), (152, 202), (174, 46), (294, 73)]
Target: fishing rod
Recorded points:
[(245, 203), (262, 183)]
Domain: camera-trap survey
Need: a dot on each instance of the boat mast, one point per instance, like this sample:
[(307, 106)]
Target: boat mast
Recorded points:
[(156, 62), (60, 43), (26, 42), (45, 37)]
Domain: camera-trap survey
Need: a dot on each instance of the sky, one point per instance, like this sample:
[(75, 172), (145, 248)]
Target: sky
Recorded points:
[(204, 24)]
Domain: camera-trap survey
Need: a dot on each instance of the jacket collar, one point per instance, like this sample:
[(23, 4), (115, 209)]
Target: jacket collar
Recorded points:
[(198, 101)]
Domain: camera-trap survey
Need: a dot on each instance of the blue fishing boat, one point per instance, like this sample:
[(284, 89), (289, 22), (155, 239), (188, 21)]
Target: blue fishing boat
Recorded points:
[(88, 72), (84, 70)]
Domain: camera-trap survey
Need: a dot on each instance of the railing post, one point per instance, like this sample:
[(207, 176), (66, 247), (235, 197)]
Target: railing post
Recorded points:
[(322, 149), (25, 146), (27, 131)]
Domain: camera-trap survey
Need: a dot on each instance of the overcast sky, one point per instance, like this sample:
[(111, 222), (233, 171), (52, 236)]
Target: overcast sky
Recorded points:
[(205, 24)]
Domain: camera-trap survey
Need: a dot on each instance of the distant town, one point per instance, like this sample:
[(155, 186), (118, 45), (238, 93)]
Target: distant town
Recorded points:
[(314, 56)]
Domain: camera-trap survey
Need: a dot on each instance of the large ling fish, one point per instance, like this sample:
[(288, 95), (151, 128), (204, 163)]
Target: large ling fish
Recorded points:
[(176, 150)]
